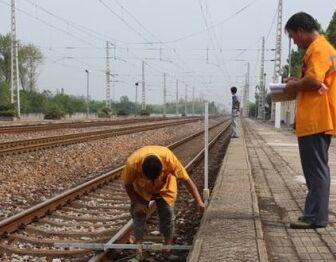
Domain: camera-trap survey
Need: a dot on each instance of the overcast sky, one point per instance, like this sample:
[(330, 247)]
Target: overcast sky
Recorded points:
[(170, 36)]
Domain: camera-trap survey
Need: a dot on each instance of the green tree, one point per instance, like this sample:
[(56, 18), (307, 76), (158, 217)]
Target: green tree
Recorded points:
[(6, 108), (4, 93), (33, 102), (125, 106), (64, 102), (331, 30), (30, 57), (5, 57), (296, 63)]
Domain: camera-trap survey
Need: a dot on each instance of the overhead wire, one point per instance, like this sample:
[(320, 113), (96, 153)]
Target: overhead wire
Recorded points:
[(74, 25), (123, 20), (215, 25), (49, 24), (214, 39)]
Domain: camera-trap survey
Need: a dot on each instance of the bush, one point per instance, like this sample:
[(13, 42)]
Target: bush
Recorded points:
[(144, 112), (8, 113), (105, 112), (7, 110), (122, 112), (54, 112)]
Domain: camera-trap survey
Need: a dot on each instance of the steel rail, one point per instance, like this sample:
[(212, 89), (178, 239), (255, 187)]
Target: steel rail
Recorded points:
[(13, 223), (52, 126), (27, 145), (123, 235)]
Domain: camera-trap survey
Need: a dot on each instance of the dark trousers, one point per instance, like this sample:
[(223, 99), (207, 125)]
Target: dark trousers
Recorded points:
[(166, 219), (314, 161)]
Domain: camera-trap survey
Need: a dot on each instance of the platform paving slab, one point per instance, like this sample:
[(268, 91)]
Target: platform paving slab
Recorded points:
[(259, 190), (281, 191), (230, 229)]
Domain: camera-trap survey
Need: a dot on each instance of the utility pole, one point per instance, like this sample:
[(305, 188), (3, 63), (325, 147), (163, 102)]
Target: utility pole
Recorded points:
[(87, 93), (185, 99), (246, 99), (177, 98), (164, 94), (290, 58), (143, 94), (276, 110), (261, 101), (207, 55), (15, 81), (136, 98), (193, 101), (108, 75)]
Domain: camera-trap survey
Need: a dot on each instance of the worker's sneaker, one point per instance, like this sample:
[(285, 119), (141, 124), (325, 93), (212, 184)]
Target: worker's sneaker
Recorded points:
[(301, 224), (302, 218), (171, 257), (137, 258)]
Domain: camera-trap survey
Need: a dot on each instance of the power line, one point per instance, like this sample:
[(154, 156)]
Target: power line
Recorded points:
[(135, 19), (49, 24), (79, 27), (123, 20), (215, 25), (53, 26), (272, 24), (213, 39)]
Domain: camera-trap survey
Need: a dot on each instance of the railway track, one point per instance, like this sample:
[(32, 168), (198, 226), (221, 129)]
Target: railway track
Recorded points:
[(92, 212), (53, 126), (28, 145)]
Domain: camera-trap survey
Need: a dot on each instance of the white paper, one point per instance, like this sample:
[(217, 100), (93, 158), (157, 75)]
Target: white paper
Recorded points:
[(277, 86)]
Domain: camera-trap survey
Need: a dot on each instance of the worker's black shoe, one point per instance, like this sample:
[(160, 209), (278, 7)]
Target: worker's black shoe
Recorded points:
[(301, 224)]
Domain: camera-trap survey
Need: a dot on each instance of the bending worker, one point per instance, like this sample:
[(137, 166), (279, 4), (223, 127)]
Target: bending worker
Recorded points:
[(151, 173)]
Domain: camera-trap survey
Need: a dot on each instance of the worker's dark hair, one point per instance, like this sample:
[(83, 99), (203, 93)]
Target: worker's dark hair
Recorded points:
[(233, 90), (302, 21), (152, 167)]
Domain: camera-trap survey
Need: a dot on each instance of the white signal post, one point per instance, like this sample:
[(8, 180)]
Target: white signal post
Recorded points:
[(206, 192)]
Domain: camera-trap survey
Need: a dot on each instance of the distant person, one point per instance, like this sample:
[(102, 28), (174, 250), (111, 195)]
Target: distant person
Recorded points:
[(315, 119), (151, 173), (235, 112)]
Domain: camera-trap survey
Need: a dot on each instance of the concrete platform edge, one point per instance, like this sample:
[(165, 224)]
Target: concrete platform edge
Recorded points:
[(195, 252), (262, 250)]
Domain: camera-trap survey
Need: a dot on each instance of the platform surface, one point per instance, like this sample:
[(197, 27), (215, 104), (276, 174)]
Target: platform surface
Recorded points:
[(259, 190)]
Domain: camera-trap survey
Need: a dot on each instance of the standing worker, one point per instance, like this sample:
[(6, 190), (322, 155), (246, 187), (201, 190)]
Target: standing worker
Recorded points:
[(315, 119), (151, 173), (235, 112)]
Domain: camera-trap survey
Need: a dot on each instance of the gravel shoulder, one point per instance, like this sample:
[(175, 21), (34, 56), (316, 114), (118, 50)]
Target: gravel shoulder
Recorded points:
[(30, 178), (6, 137)]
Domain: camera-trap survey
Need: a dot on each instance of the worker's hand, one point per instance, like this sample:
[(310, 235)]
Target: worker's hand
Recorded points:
[(287, 79), (290, 86), (140, 208), (323, 89), (200, 207)]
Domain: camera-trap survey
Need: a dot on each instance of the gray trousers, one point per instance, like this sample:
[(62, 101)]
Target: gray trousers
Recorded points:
[(314, 160), (166, 219), (235, 125)]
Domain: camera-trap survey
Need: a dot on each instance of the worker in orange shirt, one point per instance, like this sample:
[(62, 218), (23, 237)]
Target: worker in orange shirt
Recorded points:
[(151, 173), (315, 119)]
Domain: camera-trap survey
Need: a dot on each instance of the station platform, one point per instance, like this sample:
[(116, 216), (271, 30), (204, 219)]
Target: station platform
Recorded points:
[(259, 190)]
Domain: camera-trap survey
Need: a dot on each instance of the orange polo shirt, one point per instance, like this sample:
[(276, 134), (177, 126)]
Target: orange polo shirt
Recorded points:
[(316, 113), (165, 185)]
